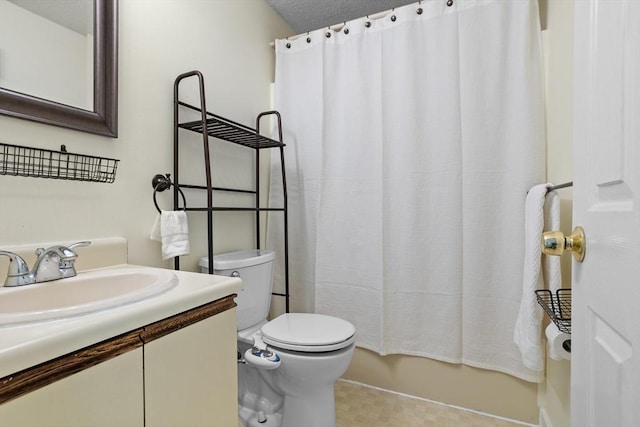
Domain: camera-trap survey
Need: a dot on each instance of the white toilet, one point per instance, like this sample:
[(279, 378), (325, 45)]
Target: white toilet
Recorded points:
[(289, 364)]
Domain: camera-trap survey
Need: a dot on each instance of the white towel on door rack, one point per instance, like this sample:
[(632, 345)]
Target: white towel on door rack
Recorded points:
[(172, 229), (527, 332), (551, 268)]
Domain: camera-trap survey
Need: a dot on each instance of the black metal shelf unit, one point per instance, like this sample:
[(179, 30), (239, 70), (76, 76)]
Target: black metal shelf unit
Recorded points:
[(211, 125)]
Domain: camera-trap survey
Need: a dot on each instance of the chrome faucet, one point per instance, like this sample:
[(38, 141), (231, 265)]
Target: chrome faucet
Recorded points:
[(56, 262), (18, 273)]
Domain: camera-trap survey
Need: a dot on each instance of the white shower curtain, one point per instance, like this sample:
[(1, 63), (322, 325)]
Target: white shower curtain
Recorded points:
[(411, 144)]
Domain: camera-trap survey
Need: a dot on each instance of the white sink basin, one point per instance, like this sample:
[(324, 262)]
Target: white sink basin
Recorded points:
[(87, 292)]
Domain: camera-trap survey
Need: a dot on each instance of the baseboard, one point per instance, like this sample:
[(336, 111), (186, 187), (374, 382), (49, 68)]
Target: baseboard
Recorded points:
[(497, 417)]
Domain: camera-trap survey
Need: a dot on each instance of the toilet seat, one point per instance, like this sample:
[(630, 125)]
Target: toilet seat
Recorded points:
[(307, 332)]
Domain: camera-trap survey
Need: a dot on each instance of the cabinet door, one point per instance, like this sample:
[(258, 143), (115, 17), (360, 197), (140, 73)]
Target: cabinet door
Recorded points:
[(109, 394), (191, 375)]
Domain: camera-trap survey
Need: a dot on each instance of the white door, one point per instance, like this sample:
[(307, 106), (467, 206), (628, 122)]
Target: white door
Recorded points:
[(605, 366)]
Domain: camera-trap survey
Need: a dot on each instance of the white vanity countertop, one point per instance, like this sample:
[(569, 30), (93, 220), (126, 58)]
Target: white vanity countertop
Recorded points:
[(26, 345)]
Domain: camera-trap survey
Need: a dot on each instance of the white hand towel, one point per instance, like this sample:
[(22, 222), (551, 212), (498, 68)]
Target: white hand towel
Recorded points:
[(528, 324), (155, 229), (552, 273), (172, 229)]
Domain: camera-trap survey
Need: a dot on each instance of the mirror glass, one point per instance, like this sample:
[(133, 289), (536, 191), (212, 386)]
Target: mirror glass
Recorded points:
[(59, 63), (53, 60)]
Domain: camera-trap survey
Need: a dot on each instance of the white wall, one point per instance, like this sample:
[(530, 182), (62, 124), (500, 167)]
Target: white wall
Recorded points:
[(228, 41)]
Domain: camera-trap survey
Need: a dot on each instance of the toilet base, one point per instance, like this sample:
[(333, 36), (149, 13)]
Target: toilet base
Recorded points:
[(317, 411), (300, 392), (306, 383), (257, 400), (252, 418)]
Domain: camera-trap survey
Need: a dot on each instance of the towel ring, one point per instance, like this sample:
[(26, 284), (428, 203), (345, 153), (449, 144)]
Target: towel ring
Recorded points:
[(161, 183)]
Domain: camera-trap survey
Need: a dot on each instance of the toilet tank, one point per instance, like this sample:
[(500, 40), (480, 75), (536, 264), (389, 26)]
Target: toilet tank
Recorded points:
[(255, 268)]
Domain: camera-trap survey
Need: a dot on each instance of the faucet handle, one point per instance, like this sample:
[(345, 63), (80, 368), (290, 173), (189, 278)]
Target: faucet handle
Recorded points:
[(79, 244), (67, 266), (63, 253), (66, 253), (18, 273)]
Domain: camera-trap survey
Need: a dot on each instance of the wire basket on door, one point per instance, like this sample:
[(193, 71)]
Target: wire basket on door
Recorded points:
[(557, 306)]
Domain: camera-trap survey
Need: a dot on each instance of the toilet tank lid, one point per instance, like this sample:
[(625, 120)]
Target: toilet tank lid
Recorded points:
[(238, 259)]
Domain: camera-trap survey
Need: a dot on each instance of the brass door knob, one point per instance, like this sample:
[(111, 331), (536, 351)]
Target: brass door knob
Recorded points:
[(555, 243)]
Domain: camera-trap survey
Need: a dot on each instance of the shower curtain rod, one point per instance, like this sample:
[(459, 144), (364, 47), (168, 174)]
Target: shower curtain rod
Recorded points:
[(339, 26)]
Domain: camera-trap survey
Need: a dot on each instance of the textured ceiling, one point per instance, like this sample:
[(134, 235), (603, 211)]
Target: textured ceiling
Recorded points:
[(301, 15), (308, 15)]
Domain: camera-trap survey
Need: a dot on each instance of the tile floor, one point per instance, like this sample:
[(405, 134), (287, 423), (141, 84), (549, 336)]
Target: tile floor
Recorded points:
[(361, 406)]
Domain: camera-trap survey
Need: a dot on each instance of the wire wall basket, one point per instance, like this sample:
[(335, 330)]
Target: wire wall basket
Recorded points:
[(40, 163), (557, 306)]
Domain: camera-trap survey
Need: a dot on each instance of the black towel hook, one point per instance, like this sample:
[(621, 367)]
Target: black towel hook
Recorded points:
[(161, 183)]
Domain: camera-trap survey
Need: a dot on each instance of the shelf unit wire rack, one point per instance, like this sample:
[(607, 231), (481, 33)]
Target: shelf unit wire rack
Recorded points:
[(228, 130), (32, 162), (557, 306)]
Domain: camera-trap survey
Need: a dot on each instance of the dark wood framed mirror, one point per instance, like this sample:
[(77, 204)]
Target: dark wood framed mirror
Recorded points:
[(103, 119)]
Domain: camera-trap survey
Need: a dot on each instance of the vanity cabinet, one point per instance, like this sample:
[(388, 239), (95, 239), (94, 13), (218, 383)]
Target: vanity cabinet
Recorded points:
[(187, 386), (106, 395), (180, 371)]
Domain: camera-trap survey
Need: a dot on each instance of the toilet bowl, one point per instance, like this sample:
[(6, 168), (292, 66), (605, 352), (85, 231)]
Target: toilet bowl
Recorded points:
[(315, 350), (289, 365), (310, 364)]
